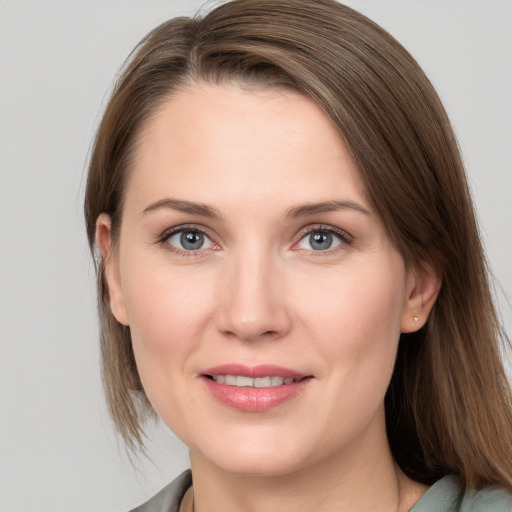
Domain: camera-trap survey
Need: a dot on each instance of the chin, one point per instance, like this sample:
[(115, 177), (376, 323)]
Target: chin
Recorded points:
[(256, 460), (259, 468)]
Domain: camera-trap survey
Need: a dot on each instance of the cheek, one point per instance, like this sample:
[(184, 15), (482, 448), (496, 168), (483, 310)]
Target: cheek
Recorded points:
[(163, 301), (355, 329), (358, 318), (167, 311)]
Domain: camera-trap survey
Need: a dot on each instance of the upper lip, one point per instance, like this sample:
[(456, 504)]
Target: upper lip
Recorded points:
[(262, 370)]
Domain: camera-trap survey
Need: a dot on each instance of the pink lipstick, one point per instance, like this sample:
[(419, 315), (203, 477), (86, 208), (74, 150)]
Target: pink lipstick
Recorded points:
[(254, 389)]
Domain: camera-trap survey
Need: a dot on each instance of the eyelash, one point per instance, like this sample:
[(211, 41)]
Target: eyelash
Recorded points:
[(163, 239), (345, 239)]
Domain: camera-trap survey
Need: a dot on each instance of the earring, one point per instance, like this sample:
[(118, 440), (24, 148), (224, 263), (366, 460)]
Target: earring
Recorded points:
[(415, 318)]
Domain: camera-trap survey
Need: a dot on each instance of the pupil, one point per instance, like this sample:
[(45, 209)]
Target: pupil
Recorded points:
[(320, 240), (191, 240)]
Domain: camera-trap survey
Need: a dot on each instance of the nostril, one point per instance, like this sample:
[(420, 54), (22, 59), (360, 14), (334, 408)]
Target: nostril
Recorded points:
[(265, 334), (251, 322)]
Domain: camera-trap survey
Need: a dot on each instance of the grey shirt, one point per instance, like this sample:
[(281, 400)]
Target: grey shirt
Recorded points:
[(443, 496)]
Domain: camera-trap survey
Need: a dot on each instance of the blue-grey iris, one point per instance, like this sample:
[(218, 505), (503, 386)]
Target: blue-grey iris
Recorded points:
[(191, 240), (320, 240)]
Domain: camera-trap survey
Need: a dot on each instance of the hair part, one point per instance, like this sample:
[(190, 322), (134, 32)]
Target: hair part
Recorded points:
[(449, 405)]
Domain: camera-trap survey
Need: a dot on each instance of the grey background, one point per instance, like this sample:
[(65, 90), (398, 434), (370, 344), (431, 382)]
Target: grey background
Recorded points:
[(58, 58)]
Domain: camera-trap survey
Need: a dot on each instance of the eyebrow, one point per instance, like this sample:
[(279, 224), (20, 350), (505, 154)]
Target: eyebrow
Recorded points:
[(325, 207), (304, 210), (184, 206)]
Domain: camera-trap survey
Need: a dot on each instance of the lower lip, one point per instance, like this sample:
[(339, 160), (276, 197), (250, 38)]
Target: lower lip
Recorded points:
[(255, 399)]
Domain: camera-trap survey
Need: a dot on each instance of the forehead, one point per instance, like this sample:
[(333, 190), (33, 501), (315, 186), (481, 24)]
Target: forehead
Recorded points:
[(227, 141)]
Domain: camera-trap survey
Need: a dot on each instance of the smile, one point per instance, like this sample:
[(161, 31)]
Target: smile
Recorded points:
[(254, 388), (258, 382)]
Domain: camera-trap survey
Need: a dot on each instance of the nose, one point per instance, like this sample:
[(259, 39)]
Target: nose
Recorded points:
[(252, 300)]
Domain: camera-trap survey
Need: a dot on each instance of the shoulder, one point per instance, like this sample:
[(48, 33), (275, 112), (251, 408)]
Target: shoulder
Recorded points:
[(487, 499), (169, 498), (445, 496)]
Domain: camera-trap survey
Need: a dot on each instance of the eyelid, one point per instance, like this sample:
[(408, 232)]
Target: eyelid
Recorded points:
[(168, 233), (346, 238)]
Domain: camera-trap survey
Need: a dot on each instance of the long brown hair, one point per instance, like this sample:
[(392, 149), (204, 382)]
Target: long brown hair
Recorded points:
[(449, 406)]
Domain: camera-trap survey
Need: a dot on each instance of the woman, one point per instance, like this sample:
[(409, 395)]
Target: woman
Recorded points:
[(290, 272)]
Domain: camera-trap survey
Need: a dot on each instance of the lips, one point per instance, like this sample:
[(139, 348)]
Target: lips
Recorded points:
[(258, 382), (254, 389)]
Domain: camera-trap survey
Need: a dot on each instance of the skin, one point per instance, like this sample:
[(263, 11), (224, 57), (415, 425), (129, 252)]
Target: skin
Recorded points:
[(259, 293)]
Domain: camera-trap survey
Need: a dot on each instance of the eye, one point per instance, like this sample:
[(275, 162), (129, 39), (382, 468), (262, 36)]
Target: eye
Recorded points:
[(322, 239), (189, 240)]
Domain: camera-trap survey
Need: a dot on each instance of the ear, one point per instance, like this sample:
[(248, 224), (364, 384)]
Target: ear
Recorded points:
[(112, 274), (422, 289)]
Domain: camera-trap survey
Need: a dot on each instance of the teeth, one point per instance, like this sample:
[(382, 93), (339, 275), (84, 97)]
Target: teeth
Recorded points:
[(244, 381), (263, 382), (249, 382), (230, 380), (277, 381)]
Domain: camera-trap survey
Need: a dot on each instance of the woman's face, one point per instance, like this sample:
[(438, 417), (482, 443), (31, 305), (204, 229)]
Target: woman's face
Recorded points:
[(264, 299)]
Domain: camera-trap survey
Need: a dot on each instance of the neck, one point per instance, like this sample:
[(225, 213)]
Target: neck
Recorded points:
[(361, 478)]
